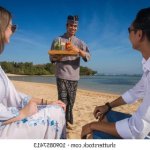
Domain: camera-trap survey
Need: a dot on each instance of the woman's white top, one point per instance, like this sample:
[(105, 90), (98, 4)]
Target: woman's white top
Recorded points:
[(49, 122)]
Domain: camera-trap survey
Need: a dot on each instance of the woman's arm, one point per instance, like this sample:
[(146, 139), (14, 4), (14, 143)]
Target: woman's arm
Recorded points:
[(29, 110)]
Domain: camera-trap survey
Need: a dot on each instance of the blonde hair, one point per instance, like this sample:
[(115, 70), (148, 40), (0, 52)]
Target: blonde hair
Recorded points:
[(5, 17)]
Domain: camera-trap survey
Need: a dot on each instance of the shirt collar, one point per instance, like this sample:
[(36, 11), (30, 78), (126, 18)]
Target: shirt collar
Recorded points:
[(146, 64), (66, 36)]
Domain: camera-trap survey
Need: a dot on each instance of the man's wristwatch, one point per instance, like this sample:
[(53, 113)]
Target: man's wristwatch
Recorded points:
[(108, 105)]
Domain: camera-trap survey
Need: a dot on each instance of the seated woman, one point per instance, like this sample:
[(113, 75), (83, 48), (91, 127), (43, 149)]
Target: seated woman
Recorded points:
[(21, 116), (136, 126)]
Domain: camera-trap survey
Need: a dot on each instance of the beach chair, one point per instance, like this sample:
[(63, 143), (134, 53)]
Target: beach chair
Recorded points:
[(112, 116)]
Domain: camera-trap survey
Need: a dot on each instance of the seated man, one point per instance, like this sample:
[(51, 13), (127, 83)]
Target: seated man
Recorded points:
[(136, 126)]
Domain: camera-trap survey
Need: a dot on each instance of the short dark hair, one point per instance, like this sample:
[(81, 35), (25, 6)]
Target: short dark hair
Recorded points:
[(142, 21)]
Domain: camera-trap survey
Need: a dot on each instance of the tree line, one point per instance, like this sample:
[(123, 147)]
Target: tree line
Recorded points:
[(28, 68)]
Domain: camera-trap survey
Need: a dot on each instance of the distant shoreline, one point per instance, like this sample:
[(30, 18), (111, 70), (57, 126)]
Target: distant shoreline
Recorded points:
[(13, 75), (9, 74)]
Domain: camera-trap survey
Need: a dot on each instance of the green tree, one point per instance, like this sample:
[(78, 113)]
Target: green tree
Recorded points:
[(28, 68)]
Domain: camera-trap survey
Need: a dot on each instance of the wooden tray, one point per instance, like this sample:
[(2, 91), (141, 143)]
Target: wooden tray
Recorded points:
[(61, 52)]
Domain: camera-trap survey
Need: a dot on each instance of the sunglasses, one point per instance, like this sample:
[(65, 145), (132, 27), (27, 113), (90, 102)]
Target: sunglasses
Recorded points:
[(13, 28), (130, 29)]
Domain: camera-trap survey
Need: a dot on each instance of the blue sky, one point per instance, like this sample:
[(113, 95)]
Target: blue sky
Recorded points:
[(103, 26)]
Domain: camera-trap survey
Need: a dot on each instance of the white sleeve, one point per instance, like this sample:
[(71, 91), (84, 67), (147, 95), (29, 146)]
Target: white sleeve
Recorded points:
[(136, 93), (24, 99), (15, 98)]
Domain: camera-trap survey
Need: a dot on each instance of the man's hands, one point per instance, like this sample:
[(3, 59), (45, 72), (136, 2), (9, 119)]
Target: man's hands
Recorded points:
[(100, 112), (86, 129)]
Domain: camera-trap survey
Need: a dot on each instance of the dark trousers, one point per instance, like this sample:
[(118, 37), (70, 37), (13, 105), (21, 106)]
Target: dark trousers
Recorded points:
[(67, 94)]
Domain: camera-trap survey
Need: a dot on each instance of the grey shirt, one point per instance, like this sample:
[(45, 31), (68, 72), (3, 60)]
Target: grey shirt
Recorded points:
[(69, 66)]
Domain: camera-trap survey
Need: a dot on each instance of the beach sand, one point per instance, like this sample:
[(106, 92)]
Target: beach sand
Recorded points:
[(84, 104)]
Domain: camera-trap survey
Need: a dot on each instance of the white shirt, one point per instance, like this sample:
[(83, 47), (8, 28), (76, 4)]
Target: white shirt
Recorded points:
[(10, 99), (49, 122), (138, 125)]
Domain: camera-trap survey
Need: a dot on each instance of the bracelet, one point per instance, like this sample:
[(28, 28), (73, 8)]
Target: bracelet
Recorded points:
[(108, 105)]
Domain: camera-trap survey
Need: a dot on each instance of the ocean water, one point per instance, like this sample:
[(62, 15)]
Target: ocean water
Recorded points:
[(117, 84)]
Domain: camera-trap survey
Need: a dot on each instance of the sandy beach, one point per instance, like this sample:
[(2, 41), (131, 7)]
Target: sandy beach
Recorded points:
[(84, 105)]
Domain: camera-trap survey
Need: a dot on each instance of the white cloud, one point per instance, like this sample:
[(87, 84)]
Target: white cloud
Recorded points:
[(26, 38)]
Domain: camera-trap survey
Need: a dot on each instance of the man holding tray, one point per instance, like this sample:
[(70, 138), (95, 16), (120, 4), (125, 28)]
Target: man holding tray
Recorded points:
[(68, 65)]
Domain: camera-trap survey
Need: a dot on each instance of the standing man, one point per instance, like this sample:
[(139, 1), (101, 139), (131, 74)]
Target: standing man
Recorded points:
[(68, 67)]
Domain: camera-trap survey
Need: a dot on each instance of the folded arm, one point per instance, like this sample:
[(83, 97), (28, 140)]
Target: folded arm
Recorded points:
[(29, 110)]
